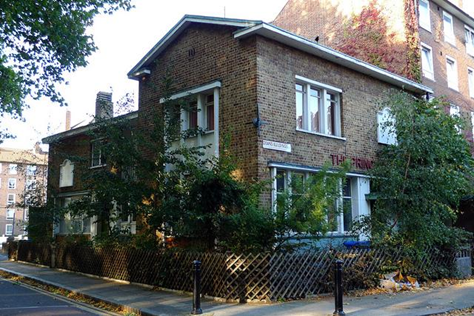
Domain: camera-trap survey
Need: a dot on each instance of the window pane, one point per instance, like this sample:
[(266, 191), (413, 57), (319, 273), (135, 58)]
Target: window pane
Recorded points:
[(210, 117), (313, 109), (347, 210), (330, 113), (281, 179), (193, 116), (299, 106)]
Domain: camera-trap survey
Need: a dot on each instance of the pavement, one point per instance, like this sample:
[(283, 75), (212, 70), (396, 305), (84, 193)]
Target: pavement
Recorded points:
[(140, 299)]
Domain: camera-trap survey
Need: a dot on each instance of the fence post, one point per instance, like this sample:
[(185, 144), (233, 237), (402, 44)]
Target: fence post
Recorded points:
[(53, 256), (338, 289), (197, 288)]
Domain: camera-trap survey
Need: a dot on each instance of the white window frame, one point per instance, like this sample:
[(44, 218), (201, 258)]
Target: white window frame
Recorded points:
[(9, 227), (31, 170), (11, 183), (13, 201), (470, 81), (424, 21), (448, 29), (386, 134), (453, 82), (13, 168), (306, 174), (455, 111), (427, 73), (100, 163), (31, 184), (472, 125), (9, 211), (0, 167), (469, 40), (325, 90), (66, 173)]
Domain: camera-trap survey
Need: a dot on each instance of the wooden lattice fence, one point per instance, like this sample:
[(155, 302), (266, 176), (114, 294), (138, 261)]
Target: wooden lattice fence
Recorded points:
[(234, 277)]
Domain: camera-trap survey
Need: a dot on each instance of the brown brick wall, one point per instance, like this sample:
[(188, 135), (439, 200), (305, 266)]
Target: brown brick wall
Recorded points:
[(218, 56), (277, 67), (77, 150)]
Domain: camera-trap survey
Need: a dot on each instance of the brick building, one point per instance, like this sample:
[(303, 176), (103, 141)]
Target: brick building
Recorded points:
[(21, 172), (427, 40), (318, 105)]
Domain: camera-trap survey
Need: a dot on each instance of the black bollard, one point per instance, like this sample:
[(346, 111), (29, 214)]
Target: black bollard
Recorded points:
[(338, 289), (197, 289)]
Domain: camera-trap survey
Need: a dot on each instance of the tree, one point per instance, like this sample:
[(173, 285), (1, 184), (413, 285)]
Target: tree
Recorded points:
[(39, 42), (419, 181)]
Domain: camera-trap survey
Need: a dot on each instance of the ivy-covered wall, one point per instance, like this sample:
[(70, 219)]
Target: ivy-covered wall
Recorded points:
[(381, 32)]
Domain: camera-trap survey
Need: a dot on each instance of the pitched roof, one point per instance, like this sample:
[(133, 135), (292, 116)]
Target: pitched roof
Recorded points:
[(249, 28)]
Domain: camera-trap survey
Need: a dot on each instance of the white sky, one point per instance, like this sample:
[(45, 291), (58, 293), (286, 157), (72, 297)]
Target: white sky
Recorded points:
[(123, 39)]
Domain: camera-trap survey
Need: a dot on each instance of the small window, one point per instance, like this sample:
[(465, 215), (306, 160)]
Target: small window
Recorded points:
[(31, 170), (210, 112), (454, 111), (97, 154), (318, 108), (30, 185), (452, 73), (9, 229), (193, 116), (12, 184), (11, 199), (469, 40), (448, 26), (347, 205), (13, 168), (427, 61), (385, 127), (66, 174), (424, 11), (470, 78), (10, 213)]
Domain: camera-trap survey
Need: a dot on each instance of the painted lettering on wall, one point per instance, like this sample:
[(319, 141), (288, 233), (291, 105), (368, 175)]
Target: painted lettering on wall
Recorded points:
[(357, 162)]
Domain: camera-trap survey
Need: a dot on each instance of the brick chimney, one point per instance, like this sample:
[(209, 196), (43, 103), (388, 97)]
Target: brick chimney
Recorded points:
[(68, 120), (104, 107)]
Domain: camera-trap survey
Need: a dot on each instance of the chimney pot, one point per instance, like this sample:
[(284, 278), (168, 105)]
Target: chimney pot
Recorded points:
[(68, 120)]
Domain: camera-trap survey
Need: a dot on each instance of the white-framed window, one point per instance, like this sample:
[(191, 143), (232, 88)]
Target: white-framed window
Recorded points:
[(318, 107), (200, 113), (469, 33), (448, 28), (66, 174), (282, 179), (455, 111), (30, 184), (424, 12), (0, 167), (97, 154), (8, 229), (427, 61), (452, 73), (10, 213), (470, 80), (12, 183), (11, 199), (472, 125), (31, 170), (386, 133), (13, 168), (73, 224)]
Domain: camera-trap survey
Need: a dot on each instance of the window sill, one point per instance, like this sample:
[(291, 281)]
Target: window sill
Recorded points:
[(426, 28), (98, 166), (431, 78), (450, 42), (454, 89), (321, 134)]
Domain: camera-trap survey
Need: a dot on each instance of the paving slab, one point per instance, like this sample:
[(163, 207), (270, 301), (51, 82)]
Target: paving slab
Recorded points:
[(164, 303)]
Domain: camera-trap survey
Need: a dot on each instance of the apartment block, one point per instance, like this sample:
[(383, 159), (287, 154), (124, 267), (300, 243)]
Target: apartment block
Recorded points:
[(22, 172)]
